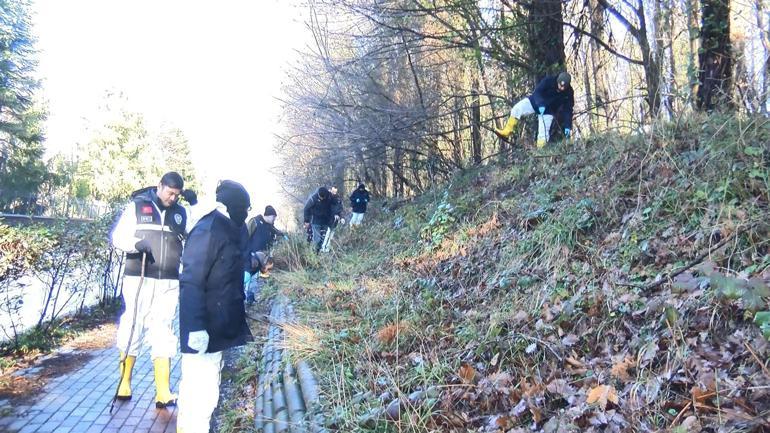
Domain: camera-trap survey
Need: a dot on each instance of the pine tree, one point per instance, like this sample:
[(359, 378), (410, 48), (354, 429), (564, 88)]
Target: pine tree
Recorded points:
[(22, 170)]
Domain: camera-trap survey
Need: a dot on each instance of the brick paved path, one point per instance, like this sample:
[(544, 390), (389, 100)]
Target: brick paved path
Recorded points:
[(79, 401)]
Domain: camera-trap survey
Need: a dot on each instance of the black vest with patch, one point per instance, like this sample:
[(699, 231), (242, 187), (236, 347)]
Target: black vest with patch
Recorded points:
[(165, 231)]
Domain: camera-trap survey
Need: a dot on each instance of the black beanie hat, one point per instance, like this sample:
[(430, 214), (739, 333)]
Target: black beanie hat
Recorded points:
[(269, 210), (233, 195), (323, 192)]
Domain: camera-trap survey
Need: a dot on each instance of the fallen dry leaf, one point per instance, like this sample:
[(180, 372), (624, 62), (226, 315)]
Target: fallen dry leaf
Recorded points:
[(700, 395), (499, 380), (574, 362), (389, 333), (569, 340), (691, 424), (467, 373), (602, 394), (620, 369)]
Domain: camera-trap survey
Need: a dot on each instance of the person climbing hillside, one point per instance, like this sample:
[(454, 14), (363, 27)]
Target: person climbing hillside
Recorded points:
[(337, 210), (262, 236), (262, 230), (212, 316), (553, 96), (150, 231), (321, 212), (358, 201)]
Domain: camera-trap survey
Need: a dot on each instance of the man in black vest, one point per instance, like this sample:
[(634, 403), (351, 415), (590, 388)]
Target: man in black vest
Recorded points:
[(150, 231)]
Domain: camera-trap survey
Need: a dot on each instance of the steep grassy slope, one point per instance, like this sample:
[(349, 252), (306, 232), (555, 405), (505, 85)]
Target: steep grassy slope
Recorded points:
[(610, 285)]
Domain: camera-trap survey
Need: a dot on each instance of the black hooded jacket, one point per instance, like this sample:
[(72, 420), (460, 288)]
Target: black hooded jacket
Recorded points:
[(556, 103), (322, 212), (359, 200), (211, 285)]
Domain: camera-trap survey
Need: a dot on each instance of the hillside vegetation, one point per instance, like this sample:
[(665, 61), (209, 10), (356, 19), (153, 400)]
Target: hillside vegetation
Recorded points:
[(607, 285)]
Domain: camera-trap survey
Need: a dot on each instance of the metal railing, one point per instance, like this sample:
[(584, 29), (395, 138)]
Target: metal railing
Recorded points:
[(37, 205)]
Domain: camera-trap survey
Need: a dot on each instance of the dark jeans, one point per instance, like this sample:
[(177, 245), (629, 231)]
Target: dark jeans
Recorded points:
[(319, 231), (255, 286)]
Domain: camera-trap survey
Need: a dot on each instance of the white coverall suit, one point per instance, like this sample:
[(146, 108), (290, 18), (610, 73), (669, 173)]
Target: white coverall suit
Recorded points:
[(158, 298), (150, 288)]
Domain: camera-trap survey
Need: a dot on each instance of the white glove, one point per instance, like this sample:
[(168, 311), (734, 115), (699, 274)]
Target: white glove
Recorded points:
[(342, 221), (336, 218), (198, 341)]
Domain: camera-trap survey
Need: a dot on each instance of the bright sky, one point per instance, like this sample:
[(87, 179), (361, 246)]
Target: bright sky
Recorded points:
[(211, 69)]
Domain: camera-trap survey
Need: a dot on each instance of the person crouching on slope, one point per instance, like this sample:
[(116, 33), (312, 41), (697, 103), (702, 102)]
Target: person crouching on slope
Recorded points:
[(552, 96)]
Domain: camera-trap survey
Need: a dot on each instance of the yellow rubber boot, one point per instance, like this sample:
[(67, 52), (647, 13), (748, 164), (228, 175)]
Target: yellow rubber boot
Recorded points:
[(163, 395), (508, 129), (540, 144), (125, 368)]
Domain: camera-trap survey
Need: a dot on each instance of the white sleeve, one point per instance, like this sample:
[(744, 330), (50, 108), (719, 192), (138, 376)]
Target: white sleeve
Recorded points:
[(190, 220), (124, 235)]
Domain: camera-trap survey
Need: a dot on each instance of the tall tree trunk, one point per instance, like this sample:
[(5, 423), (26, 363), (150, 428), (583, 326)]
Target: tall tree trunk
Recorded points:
[(475, 121), (671, 70), (663, 43), (715, 58), (600, 88), (651, 63), (763, 21), (592, 118), (693, 26), (457, 141), (398, 172), (546, 38)]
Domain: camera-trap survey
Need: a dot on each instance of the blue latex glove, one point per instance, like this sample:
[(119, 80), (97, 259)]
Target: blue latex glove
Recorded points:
[(285, 237), (567, 132), (542, 110), (246, 278)]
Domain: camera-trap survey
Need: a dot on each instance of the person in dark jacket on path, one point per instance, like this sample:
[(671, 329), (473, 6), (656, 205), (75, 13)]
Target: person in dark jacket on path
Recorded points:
[(321, 211), (212, 315), (358, 201), (553, 96)]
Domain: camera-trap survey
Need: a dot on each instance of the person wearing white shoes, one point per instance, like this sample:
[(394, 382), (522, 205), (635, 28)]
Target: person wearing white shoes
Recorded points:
[(358, 202)]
